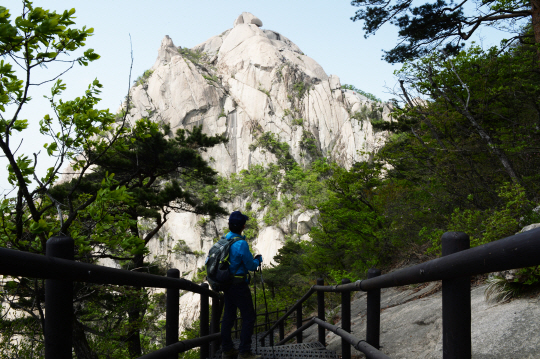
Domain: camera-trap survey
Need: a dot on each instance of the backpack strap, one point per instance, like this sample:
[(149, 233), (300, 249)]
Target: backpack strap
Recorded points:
[(231, 241)]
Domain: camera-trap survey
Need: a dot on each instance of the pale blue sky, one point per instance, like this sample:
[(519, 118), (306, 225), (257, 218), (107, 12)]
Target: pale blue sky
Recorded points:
[(322, 29)]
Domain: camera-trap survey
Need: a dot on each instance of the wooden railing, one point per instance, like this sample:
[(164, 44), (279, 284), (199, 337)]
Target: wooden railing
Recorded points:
[(456, 266), (60, 271)]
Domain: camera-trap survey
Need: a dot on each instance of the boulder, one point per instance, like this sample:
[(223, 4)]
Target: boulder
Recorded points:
[(530, 227), (305, 221), (247, 18)]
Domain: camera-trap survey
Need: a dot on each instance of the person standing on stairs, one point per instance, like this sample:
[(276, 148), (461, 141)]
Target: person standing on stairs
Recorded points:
[(238, 295)]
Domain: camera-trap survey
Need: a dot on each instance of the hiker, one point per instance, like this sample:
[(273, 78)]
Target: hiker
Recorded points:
[(238, 294)]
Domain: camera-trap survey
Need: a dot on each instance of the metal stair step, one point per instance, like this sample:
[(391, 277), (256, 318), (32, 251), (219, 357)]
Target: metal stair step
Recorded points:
[(267, 353), (303, 346), (300, 351)]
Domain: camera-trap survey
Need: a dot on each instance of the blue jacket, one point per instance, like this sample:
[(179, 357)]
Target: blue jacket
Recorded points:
[(241, 258)]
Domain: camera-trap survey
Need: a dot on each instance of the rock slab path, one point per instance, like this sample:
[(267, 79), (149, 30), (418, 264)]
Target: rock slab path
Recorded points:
[(411, 325)]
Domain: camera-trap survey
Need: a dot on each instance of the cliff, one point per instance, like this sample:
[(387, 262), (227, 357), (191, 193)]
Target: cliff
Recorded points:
[(247, 82)]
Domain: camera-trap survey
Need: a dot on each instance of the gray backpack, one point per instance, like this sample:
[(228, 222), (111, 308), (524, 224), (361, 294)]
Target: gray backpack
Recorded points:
[(217, 264)]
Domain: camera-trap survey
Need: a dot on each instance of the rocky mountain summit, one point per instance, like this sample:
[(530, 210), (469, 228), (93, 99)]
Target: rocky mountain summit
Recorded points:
[(248, 82)]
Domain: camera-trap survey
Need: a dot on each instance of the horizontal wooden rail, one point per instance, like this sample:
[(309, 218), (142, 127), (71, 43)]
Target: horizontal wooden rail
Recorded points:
[(299, 330), (289, 312), (181, 347), (18, 263), (456, 266), (518, 251), (361, 345)]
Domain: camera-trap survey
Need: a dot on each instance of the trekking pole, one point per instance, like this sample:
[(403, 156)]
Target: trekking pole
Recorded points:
[(256, 329), (266, 306)]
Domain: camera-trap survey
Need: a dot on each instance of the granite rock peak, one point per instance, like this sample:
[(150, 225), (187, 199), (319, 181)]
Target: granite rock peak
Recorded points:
[(246, 82), (247, 18)]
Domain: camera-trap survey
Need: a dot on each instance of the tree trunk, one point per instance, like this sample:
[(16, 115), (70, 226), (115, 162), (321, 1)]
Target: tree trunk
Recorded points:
[(134, 337), (463, 109), (80, 344), (535, 8)]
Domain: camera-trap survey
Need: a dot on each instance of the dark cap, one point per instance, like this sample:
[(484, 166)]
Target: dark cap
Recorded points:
[(238, 218)]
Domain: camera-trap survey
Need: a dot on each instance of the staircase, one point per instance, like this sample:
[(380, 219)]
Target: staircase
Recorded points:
[(302, 350)]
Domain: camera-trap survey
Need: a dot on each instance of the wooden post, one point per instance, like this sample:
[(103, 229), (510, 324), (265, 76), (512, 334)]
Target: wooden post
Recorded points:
[(321, 312), (373, 315), (456, 303), (172, 312), (204, 325), (345, 320), (59, 304), (214, 325)]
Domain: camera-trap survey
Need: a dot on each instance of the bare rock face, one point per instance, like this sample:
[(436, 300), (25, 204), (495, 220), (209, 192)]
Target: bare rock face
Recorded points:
[(530, 227), (411, 325), (245, 82), (166, 51), (268, 243)]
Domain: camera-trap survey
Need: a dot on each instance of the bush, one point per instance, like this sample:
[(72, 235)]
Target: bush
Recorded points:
[(370, 96), (195, 56), (298, 122), (143, 78)]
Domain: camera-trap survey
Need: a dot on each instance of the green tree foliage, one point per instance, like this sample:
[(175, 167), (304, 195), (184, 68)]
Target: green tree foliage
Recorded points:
[(348, 238), (454, 154), (441, 24), (269, 141), (34, 40), (462, 155), (162, 175), (123, 182), (279, 192), (195, 56), (483, 116), (370, 96), (143, 78)]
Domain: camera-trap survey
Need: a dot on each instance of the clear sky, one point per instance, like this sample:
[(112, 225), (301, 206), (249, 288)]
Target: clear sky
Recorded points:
[(321, 28)]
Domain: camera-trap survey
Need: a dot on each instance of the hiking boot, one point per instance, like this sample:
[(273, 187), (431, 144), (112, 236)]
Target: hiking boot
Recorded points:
[(248, 355), (229, 354)]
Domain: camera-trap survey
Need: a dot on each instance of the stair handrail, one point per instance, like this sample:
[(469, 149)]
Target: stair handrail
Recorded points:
[(458, 263), (518, 251), (180, 347), (358, 344), (25, 264), (299, 330), (289, 312), (60, 270)]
